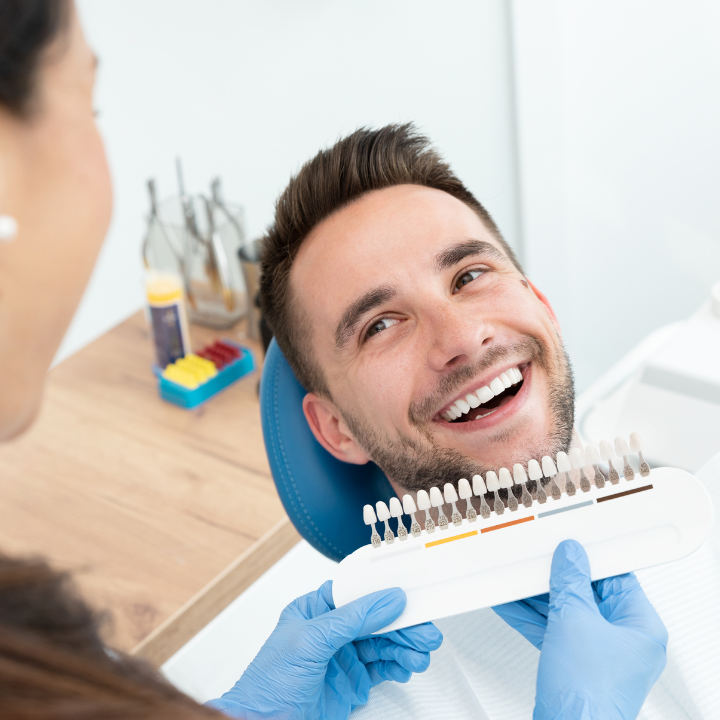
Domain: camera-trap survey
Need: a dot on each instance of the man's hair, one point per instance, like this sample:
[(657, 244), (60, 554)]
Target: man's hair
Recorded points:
[(358, 164)]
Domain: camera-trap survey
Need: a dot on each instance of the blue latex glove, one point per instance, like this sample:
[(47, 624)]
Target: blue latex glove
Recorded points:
[(602, 644), (319, 664)]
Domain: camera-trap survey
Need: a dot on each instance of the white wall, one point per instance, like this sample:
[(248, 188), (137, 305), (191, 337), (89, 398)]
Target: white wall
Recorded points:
[(250, 90), (619, 136)]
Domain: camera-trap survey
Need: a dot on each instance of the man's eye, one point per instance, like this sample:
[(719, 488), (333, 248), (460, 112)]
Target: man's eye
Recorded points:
[(467, 277), (379, 325)]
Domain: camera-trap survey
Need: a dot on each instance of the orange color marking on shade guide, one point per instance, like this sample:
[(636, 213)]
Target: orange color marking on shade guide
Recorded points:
[(450, 539), (508, 524)]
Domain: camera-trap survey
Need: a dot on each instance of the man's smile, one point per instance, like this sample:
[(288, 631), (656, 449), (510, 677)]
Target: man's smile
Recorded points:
[(459, 416)]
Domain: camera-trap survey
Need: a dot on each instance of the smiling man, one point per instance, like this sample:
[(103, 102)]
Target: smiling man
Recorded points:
[(408, 319)]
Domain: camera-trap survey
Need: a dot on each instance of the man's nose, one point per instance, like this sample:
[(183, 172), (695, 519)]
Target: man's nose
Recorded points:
[(456, 336)]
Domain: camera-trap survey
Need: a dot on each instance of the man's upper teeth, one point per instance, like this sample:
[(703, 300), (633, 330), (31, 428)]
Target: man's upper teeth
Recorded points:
[(483, 394)]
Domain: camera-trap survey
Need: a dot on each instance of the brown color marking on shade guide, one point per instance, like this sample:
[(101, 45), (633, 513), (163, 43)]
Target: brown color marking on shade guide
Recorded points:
[(626, 492)]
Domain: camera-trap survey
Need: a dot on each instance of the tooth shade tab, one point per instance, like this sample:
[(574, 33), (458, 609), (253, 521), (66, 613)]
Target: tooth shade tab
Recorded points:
[(497, 386), (621, 447), (485, 393), (563, 462), (606, 451), (436, 497), (383, 513), (472, 400), (506, 381), (423, 500), (409, 504), (519, 474), (464, 489), (591, 455), (479, 487), (396, 509), (450, 493), (635, 443), (576, 458), (462, 406), (534, 471), (369, 515), (505, 478), (492, 481), (548, 467)]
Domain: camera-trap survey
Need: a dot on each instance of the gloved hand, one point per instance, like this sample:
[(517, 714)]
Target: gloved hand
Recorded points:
[(318, 663), (603, 648)]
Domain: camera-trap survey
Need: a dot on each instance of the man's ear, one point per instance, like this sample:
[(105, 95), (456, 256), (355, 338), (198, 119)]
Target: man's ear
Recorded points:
[(330, 430), (547, 305)]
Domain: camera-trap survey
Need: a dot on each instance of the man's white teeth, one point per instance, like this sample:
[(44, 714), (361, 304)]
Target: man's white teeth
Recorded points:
[(483, 395)]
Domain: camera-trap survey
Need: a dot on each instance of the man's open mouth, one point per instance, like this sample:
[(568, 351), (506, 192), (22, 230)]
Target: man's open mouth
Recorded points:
[(487, 399)]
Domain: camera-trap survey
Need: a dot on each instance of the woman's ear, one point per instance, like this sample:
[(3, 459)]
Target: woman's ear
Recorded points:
[(330, 430), (541, 297)]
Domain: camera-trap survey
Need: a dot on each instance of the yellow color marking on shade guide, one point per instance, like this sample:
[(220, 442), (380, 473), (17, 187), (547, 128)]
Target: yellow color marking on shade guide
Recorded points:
[(190, 371), (450, 539)]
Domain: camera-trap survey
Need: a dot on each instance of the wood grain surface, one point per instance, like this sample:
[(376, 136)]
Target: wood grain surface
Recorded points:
[(146, 503)]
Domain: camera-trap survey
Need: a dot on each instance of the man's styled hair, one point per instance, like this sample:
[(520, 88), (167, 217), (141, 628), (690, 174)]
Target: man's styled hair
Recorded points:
[(364, 161)]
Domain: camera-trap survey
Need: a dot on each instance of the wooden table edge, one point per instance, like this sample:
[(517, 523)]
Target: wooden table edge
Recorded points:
[(179, 628)]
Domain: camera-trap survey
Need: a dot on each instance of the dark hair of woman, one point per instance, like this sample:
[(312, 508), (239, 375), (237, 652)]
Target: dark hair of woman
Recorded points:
[(54, 666)]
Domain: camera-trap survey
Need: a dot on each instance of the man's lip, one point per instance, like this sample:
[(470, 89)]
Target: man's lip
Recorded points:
[(499, 415), (477, 384)]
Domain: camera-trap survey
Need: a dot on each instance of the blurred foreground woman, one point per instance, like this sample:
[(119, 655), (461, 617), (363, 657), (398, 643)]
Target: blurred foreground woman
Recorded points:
[(55, 205)]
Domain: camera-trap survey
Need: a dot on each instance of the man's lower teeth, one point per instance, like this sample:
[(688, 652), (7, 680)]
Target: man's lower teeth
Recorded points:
[(477, 417)]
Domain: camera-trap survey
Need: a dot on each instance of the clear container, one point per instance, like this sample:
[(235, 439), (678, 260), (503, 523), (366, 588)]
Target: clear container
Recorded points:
[(204, 256)]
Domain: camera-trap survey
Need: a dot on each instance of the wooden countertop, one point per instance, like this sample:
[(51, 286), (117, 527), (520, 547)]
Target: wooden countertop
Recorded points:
[(163, 515)]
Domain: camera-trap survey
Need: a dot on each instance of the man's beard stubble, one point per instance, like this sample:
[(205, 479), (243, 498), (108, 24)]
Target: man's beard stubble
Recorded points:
[(418, 465)]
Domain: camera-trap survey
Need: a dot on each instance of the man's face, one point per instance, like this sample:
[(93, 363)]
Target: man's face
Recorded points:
[(413, 306)]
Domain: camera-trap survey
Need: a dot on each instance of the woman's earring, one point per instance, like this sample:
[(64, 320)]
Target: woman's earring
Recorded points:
[(8, 228)]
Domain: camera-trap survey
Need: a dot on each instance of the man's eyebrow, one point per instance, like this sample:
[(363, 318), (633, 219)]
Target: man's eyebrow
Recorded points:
[(453, 254), (355, 311)]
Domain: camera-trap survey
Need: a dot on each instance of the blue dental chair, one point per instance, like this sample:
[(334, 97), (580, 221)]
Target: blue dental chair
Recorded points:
[(323, 497)]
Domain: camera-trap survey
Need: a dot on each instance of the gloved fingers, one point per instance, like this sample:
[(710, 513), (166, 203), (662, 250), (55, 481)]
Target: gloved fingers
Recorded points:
[(539, 603), (374, 649), (308, 606), (623, 602), (570, 585), (359, 618), (424, 637), (387, 670), (525, 619)]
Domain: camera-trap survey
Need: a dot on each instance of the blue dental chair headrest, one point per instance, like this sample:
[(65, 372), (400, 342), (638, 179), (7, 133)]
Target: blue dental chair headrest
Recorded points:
[(324, 497)]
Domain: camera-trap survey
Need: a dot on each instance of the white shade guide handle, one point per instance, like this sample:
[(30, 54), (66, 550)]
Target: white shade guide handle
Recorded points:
[(464, 489), (592, 455), (491, 481), (423, 500), (409, 504), (383, 513), (636, 445), (450, 493), (436, 497), (621, 447), (548, 467), (519, 474), (369, 515), (563, 462), (396, 509), (534, 471), (576, 458), (505, 478), (479, 487)]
